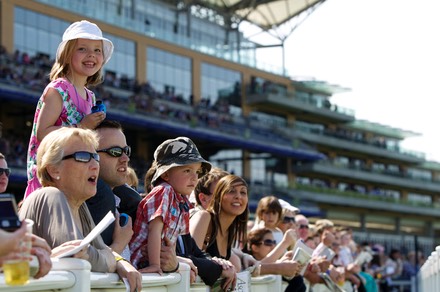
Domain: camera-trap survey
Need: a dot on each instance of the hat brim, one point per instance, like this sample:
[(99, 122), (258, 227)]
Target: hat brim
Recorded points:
[(107, 45), (206, 167)]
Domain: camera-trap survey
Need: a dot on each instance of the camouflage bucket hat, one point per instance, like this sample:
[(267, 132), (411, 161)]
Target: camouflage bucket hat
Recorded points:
[(177, 152)]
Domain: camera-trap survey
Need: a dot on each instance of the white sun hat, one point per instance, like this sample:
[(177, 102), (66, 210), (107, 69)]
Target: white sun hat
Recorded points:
[(85, 30), (288, 206)]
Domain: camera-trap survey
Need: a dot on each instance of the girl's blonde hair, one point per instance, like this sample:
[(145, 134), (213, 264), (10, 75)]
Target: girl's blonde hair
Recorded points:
[(51, 149), (62, 67)]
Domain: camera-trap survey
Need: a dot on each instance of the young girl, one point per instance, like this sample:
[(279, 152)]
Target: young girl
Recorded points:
[(66, 101), (268, 214), (164, 212)]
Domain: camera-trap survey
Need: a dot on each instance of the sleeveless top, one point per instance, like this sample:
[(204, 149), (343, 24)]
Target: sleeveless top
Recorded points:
[(74, 109), (210, 242)]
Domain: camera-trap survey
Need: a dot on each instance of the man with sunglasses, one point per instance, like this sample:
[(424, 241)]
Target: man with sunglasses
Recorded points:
[(4, 173), (115, 155)]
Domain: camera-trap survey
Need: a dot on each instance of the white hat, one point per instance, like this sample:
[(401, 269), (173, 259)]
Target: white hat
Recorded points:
[(85, 30), (287, 206)]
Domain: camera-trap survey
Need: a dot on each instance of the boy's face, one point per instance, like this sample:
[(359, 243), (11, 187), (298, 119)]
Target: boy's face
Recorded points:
[(183, 178)]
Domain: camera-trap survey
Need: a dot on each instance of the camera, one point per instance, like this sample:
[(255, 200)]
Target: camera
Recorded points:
[(99, 107), (9, 220)]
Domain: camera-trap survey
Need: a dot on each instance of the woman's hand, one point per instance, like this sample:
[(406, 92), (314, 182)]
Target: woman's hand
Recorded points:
[(44, 262), (229, 278), (134, 277), (225, 264), (10, 241), (68, 246), (290, 237)]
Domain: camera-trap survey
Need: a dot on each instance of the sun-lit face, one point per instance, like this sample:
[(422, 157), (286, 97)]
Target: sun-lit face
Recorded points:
[(264, 247), (113, 169), (288, 222), (87, 58), (270, 219), (183, 178), (77, 180), (235, 201), (4, 179)]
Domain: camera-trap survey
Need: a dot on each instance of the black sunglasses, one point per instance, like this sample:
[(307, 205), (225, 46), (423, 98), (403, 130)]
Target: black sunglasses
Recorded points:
[(117, 151), (7, 171), (287, 219), (82, 156), (268, 242), (303, 226)]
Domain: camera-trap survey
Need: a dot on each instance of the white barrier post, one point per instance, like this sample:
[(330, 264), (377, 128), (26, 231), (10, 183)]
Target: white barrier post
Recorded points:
[(266, 283), (184, 284), (80, 269)]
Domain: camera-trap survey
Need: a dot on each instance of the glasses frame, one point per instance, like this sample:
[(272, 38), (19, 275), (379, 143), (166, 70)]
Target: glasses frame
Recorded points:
[(6, 171), (268, 242), (126, 150), (289, 220), (77, 159), (303, 226)]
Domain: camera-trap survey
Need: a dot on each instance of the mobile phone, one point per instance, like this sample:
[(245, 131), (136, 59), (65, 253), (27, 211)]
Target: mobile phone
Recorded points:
[(99, 107), (123, 219), (9, 220)]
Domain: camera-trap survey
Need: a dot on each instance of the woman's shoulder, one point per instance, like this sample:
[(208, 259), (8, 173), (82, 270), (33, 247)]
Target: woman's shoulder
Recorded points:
[(47, 195), (202, 215)]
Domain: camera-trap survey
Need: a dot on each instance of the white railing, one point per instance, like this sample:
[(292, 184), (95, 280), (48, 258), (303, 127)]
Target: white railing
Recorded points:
[(73, 275), (429, 274)]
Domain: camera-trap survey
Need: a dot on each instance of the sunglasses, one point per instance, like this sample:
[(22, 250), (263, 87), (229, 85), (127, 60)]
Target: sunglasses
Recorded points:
[(287, 220), (6, 171), (117, 151), (268, 242), (82, 156), (303, 226)]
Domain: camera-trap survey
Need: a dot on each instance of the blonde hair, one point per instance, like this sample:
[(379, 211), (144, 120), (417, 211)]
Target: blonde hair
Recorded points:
[(61, 67), (132, 178), (51, 149)]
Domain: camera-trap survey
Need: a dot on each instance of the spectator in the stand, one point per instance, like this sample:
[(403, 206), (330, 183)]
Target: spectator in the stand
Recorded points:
[(132, 178), (261, 245), (302, 224), (10, 240), (67, 101), (4, 173), (202, 194), (392, 270), (114, 157), (217, 234), (68, 168), (164, 212), (268, 215)]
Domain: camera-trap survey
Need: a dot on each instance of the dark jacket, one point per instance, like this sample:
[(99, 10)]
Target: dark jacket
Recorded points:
[(208, 270)]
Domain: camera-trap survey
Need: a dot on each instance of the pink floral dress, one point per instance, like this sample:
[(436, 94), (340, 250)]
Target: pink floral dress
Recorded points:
[(74, 109)]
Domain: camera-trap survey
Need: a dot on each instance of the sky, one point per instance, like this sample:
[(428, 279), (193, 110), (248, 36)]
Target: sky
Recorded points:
[(387, 52)]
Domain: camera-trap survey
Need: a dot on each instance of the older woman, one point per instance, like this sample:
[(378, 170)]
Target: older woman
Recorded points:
[(68, 168)]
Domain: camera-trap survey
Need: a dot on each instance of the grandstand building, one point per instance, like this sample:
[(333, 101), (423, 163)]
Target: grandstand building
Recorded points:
[(183, 68)]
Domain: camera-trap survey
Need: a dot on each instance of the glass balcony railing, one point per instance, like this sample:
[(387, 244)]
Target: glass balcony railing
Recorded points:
[(96, 10)]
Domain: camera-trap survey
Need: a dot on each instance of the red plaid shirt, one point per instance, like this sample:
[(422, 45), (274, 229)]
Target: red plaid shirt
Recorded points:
[(162, 201)]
